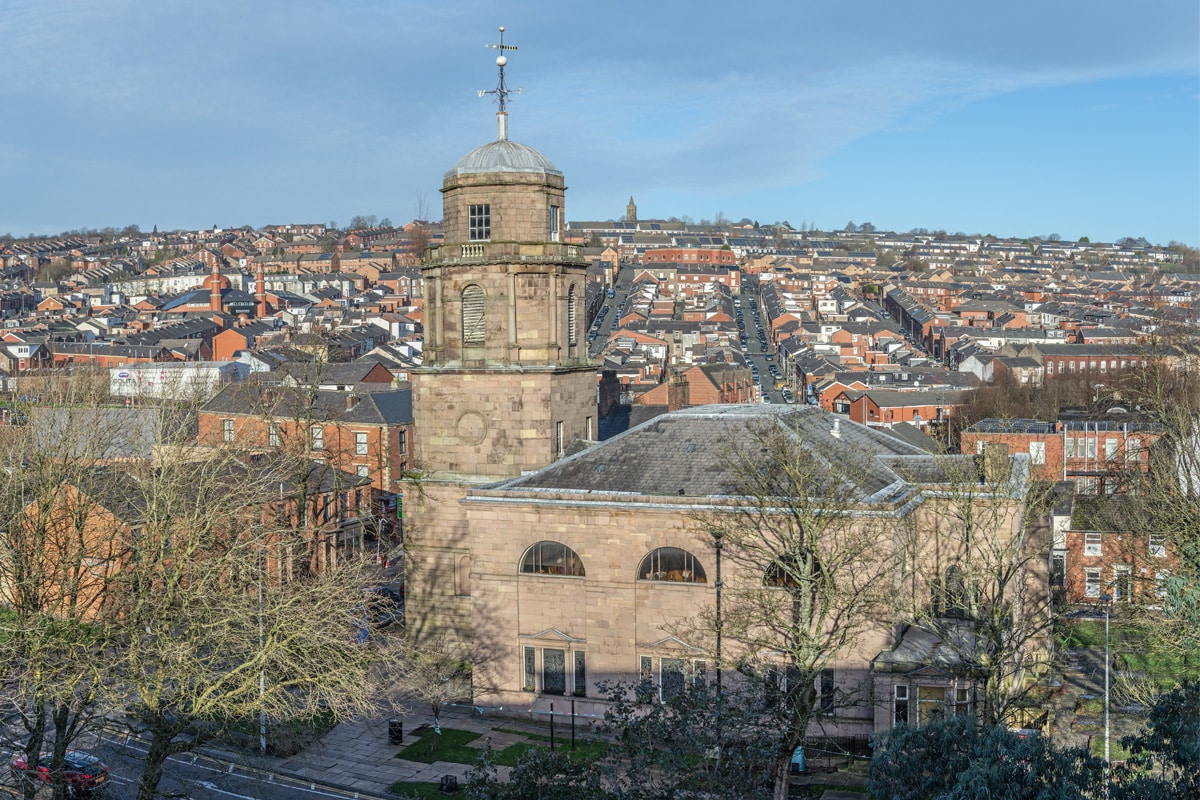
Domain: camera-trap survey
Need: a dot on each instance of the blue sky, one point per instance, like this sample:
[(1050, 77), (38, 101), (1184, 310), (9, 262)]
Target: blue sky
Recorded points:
[(1028, 117)]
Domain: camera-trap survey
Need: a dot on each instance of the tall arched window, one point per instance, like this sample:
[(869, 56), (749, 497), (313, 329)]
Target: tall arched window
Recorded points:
[(671, 564), (552, 558), (474, 329), (572, 332)]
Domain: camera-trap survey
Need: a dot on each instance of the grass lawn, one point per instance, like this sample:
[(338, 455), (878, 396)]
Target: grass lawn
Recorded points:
[(452, 745), (1168, 665), (424, 791), (1116, 751)]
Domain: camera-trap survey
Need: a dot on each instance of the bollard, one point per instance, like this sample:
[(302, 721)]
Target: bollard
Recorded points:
[(395, 731)]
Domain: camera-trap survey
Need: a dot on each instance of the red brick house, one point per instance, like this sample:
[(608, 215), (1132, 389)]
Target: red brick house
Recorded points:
[(1103, 552), (367, 431), (1098, 455)]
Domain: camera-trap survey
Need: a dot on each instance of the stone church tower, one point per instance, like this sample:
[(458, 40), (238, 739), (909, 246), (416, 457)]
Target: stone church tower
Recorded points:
[(631, 210), (507, 385)]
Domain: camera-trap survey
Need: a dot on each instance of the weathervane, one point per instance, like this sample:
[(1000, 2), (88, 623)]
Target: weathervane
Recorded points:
[(501, 91)]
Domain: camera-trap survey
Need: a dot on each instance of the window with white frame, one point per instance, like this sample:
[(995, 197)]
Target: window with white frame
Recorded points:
[(360, 443), (1157, 544), (1091, 446), (1037, 452), (1091, 582), (931, 704), (227, 430), (1111, 445), (318, 437), (402, 443), (554, 223), (827, 696), (662, 678), (1133, 450), (671, 564), (479, 222), (1068, 447), (1122, 586), (962, 701), (363, 471), (273, 437), (552, 558), (1093, 543), (1160, 583), (900, 704), (553, 670)]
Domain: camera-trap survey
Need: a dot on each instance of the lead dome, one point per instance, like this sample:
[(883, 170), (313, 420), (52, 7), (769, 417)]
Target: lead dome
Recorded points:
[(503, 155)]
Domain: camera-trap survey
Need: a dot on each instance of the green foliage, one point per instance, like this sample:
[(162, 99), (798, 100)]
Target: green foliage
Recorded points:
[(958, 759), (416, 789), (540, 775), (697, 743), (1078, 633), (1165, 761)]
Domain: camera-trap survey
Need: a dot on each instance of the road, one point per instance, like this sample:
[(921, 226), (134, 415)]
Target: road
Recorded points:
[(755, 353), (199, 777)]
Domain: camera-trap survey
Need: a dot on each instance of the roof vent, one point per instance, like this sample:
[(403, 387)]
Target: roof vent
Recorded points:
[(837, 428)]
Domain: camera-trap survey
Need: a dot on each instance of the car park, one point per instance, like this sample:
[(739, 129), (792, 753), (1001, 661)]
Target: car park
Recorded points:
[(83, 773)]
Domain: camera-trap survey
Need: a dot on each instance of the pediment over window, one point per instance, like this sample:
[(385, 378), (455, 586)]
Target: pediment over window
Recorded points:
[(551, 635), (670, 643)]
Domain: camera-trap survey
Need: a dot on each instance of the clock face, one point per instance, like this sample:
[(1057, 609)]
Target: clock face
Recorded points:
[(472, 428)]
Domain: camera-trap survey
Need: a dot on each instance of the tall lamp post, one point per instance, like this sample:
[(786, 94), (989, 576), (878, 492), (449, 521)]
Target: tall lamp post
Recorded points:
[(718, 543), (1107, 600)]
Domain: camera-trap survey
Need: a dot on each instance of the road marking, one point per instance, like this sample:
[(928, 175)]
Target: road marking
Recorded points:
[(212, 787)]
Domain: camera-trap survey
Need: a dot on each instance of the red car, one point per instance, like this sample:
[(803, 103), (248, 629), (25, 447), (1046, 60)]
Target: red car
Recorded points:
[(83, 772)]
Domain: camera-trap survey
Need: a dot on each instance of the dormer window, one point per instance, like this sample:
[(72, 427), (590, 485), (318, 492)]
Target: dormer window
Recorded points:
[(479, 220)]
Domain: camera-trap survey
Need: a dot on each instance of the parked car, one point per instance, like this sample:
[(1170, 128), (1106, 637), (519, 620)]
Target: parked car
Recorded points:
[(83, 772)]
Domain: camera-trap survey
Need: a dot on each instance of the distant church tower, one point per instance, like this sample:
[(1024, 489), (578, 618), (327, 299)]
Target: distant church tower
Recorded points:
[(507, 384), (631, 210)]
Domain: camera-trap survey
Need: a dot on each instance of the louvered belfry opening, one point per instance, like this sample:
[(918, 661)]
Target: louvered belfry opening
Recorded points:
[(474, 327), (572, 332)]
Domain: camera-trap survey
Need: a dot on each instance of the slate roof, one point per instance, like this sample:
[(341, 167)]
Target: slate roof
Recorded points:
[(363, 406), (685, 453), (995, 425)]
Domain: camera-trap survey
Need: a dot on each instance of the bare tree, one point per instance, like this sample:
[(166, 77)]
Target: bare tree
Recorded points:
[(976, 575), (810, 555)]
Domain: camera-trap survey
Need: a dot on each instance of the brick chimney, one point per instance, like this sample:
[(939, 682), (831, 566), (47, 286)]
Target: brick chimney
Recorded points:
[(214, 297), (260, 291), (678, 391)]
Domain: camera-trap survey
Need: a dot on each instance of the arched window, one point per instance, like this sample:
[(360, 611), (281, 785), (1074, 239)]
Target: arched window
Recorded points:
[(957, 601), (572, 333), (552, 558), (474, 330), (671, 564)]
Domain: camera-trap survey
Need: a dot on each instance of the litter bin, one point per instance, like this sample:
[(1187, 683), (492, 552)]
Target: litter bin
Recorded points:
[(798, 766), (395, 731)]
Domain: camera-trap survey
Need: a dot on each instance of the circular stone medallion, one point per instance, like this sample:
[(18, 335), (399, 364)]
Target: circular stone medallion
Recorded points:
[(471, 427)]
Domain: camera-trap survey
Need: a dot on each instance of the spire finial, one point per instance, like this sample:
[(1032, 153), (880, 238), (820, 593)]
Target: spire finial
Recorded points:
[(501, 91)]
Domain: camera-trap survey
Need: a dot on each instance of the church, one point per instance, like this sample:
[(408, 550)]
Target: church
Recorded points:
[(559, 561)]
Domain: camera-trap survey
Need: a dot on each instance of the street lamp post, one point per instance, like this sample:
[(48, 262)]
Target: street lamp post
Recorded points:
[(718, 545), (1107, 600)]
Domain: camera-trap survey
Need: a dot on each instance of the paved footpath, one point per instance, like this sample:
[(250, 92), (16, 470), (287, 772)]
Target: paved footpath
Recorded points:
[(357, 757)]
